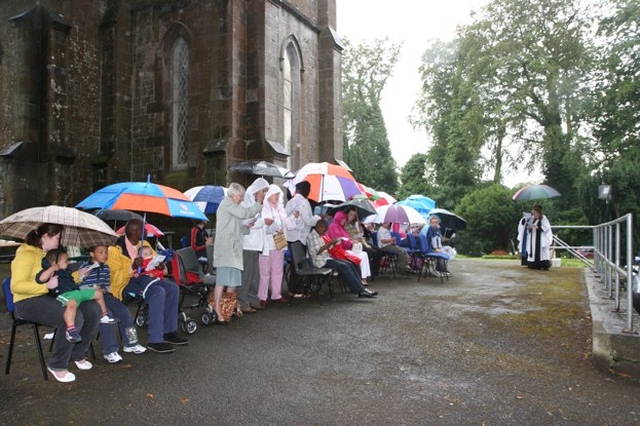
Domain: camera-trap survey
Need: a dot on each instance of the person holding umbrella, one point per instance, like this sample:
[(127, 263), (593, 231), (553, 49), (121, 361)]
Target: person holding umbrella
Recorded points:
[(33, 304), (161, 296)]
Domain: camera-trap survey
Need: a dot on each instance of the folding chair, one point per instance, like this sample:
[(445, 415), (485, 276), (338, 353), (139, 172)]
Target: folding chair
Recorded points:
[(305, 268), (387, 259), (8, 297), (430, 257)]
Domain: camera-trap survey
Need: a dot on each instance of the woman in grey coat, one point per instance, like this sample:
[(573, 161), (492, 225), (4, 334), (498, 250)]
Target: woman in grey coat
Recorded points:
[(227, 258)]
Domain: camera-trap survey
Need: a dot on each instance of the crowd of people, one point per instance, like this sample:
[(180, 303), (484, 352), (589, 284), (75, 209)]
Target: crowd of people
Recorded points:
[(246, 255)]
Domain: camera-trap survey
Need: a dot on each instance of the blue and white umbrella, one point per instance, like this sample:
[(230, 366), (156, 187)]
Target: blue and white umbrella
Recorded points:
[(207, 197)]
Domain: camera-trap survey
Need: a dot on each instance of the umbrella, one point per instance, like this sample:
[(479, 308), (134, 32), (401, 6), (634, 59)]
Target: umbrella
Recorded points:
[(384, 200), (422, 199), (395, 213), (417, 206), (144, 197), (449, 220), (535, 192), (363, 206), (116, 215), (207, 197), (149, 230), (80, 229), (261, 168), (328, 182), (370, 193)]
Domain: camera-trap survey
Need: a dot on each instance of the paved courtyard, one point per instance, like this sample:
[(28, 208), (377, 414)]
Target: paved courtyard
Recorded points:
[(497, 344)]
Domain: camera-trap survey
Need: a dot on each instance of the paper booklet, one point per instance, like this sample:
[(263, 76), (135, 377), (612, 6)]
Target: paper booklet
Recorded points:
[(153, 264)]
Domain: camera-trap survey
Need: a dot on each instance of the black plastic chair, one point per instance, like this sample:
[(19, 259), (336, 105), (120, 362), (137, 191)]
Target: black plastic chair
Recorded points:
[(305, 268), (17, 322)]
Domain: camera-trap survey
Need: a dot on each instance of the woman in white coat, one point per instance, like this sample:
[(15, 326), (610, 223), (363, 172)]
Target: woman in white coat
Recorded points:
[(271, 260), (253, 245)]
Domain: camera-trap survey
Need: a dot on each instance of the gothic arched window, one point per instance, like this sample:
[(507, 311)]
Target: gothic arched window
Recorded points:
[(179, 103), (290, 105)]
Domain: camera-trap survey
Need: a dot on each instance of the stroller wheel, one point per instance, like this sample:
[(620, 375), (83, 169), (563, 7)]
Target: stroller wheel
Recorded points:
[(189, 327), (141, 318), (207, 317)]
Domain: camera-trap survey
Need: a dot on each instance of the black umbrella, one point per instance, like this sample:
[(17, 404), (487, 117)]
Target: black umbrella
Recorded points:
[(116, 215), (261, 168), (449, 220), (363, 206)]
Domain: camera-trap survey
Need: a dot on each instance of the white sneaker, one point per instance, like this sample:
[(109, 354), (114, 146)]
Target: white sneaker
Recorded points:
[(136, 349), (113, 358), (107, 320)]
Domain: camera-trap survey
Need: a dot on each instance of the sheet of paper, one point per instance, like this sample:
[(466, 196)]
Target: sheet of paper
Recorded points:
[(153, 264)]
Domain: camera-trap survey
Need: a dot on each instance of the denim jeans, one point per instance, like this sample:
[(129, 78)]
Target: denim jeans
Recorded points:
[(162, 297), (348, 272), (120, 312), (48, 311)]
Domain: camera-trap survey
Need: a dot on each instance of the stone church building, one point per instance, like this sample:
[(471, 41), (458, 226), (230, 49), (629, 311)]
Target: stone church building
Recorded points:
[(101, 91)]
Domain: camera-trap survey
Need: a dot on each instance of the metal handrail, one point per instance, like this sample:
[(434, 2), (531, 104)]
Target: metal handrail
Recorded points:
[(608, 241)]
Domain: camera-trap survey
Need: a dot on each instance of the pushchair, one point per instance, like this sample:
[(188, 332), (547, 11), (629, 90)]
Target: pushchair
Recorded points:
[(187, 324), (187, 273)]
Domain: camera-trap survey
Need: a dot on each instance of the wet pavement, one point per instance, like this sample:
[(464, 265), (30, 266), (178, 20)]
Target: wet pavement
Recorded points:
[(495, 345)]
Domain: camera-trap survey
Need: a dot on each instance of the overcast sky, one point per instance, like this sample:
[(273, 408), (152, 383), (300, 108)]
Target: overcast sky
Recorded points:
[(415, 23)]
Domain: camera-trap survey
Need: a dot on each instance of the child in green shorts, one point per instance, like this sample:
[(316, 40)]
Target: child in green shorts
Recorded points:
[(56, 263)]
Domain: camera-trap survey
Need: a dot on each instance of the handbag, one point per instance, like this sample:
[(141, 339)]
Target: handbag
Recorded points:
[(280, 240)]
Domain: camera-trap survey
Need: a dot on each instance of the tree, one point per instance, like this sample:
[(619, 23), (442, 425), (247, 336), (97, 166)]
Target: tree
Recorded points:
[(519, 72), (492, 220), (617, 110), (416, 177), (365, 70)]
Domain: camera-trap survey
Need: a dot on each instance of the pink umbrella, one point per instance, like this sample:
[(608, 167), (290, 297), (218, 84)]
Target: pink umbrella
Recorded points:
[(395, 213), (149, 230)]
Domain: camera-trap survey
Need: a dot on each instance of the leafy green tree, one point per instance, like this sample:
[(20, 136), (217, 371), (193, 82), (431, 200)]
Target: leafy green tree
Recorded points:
[(365, 70), (416, 177), (519, 73), (492, 220), (617, 110)]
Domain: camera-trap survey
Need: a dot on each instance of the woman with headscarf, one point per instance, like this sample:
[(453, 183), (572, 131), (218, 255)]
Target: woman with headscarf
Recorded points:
[(271, 259), (253, 245), (337, 230), (227, 247)]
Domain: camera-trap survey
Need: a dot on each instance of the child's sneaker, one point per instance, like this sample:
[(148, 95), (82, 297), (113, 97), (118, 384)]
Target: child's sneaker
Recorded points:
[(113, 358), (106, 319), (136, 349), (72, 335)]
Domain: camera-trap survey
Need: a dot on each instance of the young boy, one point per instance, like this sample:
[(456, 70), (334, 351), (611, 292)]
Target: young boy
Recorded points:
[(99, 276), (56, 263)]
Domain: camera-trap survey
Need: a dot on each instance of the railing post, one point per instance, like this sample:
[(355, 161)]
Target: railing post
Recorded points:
[(629, 328)]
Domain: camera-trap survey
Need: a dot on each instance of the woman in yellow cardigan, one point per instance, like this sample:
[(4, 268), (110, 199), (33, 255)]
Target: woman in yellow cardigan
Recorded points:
[(33, 303)]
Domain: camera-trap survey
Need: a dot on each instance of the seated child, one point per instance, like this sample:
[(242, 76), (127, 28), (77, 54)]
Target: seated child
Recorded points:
[(56, 263), (96, 274), (147, 256)]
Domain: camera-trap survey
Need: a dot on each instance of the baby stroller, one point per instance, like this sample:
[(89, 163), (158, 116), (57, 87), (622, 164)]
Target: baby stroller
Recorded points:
[(187, 272), (187, 325)]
